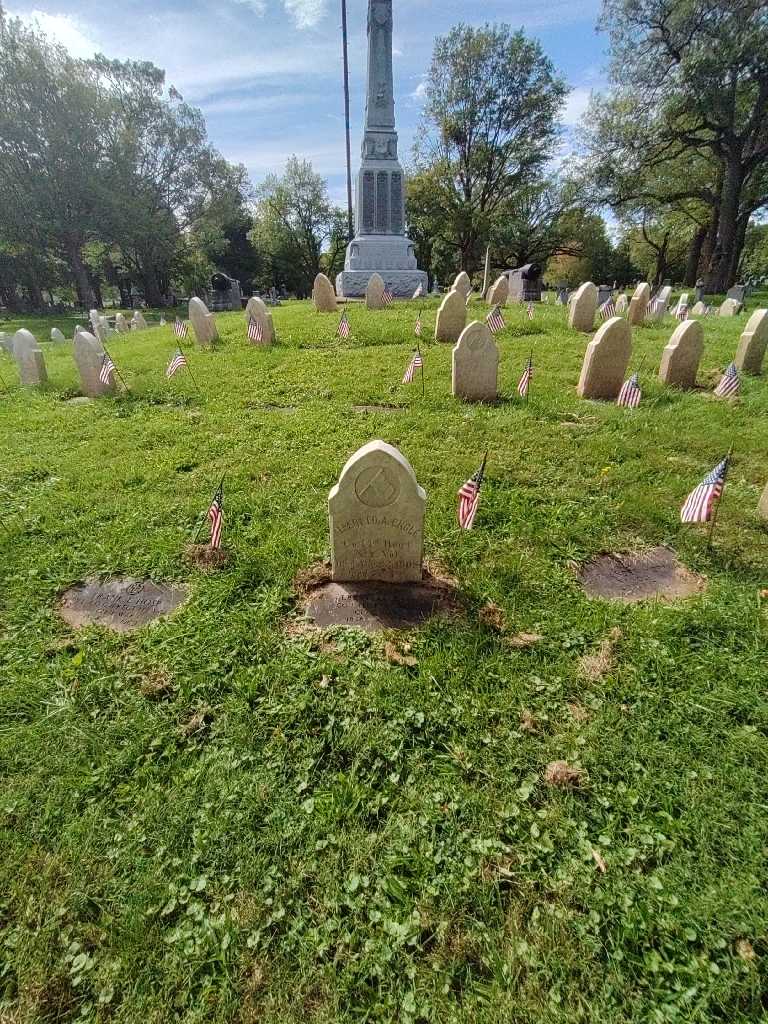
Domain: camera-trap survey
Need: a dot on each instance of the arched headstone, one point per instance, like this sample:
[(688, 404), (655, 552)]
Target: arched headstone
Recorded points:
[(374, 292), (323, 295), (462, 284), (56, 336), (680, 359), (475, 364), (89, 357), (256, 309), (638, 305), (582, 308), (606, 360), (752, 343), (451, 317), (29, 359), (498, 293), (203, 323)]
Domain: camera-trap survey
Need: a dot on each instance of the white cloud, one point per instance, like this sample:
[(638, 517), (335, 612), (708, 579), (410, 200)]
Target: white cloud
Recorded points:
[(64, 29), (576, 104), (420, 91), (306, 13)]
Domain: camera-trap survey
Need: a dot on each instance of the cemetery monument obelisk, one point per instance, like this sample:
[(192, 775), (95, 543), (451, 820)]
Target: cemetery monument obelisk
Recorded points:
[(380, 245)]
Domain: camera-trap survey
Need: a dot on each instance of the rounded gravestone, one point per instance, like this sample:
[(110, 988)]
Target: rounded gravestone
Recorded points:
[(121, 324), (730, 308), (462, 284), (323, 295), (57, 337), (753, 342), (638, 305), (498, 293), (374, 292), (606, 360), (256, 310), (29, 359), (89, 357), (451, 317), (582, 307), (680, 359), (475, 364), (202, 322), (140, 322)]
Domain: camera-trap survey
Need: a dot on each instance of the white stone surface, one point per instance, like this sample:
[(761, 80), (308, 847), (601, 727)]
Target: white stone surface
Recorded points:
[(203, 323), (475, 364), (29, 359)]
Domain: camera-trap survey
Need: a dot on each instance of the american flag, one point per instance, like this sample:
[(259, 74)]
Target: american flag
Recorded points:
[(343, 330), (255, 330), (530, 311), (682, 312), (179, 360), (107, 369), (630, 393), (495, 320), (608, 309), (413, 366), (387, 297), (700, 502), (419, 292), (468, 298), (524, 383), (730, 383), (180, 328), (469, 498), (655, 308), (215, 515), (417, 327)]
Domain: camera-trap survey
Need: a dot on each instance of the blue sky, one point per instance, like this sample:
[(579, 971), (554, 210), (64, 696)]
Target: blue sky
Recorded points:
[(267, 73)]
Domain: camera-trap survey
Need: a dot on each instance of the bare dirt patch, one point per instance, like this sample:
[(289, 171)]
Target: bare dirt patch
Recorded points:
[(627, 577), (203, 556)]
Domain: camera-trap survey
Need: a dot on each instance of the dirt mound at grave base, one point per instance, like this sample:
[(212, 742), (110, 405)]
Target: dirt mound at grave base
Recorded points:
[(654, 574)]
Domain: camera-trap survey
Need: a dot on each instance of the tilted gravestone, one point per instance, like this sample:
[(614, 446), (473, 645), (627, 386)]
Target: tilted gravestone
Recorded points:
[(753, 342), (729, 308), (89, 357), (680, 359), (451, 317), (498, 293), (737, 293), (582, 306), (203, 323), (638, 305), (376, 514), (462, 284), (475, 364), (57, 337), (29, 359), (323, 295), (374, 292), (606, 360), (256, 309), (121, 324), (682, 301)]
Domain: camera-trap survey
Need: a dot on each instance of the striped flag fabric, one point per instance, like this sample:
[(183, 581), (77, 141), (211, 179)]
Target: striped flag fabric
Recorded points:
[(419, 292), (655, 309), (417, 326), (700, 502), (344, 330), (180, 328), (682, 313), (607, 310), (630, 393), (415, 363), (469, 498), (255, 330), (530, 311), (387, 297), (216, 516), (468, 298), (730, 383), (524, 384), (495, 320), (176, 363), (107, 369)]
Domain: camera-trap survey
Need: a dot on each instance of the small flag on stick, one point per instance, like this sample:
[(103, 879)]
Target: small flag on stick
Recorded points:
[(215, 516), (524, 384), (417, 326), (730, 383), (630, 393), (387, 297), (469, 497), (495, 320), (699, 504), (255, 331), (107, 369), (180, 328), (344, 330), (682, 313), (530, 311), (416, 362), (607, 310), (419, 292), (176, 363)]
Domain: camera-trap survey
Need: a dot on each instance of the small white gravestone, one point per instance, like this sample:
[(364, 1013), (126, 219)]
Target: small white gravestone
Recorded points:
[(323, 295), (582, 307), (475, 364), (57, 337), (139, 321), (374, 292), (105, 324), (29, 359), (89, 357), (606, 360), (730, 308), (657, 308), (638, 305), (462, 284), (699, 308), (203, 323), (680, 359), (121, 324), (498, 293), (753, 342), (97, 325), (451, 317), (256, 309), (682, 301), (376, 514)]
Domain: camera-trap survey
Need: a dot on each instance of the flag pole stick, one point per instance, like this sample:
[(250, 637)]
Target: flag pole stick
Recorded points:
[(218, 490), (530, 378), (418, 349), (194, 379), (716, 509), (119, 375), (2, 381)]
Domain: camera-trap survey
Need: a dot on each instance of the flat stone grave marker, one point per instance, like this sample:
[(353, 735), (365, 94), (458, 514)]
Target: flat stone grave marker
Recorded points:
[(121, 604), (606, 360), (475, 364), (638, 305), (498, 293), (323, 295), (89, 357), (374, 293), (256, 309), (753, 342), (376, 515), (375, 606), (203, 323), (451, 317), (582, 306), (29, 359), (653, 574), (680, 359)]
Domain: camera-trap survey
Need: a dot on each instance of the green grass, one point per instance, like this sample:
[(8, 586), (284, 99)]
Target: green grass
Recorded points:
[(343, 839)]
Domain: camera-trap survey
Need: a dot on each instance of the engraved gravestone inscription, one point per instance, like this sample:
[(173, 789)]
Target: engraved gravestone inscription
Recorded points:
[(121, 604)]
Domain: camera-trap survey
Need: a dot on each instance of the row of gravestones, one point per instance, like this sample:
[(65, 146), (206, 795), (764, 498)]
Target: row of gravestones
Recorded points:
[(583, 304), (325, 301)]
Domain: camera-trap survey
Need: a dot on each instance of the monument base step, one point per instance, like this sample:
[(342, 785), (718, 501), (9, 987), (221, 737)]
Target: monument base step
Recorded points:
[(402, 283)]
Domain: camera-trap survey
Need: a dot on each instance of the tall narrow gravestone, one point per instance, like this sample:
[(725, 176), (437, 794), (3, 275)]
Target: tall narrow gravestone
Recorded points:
[(323, 295), (451, 317), (57, 337), (376, 514), (680, 359), (203, 323), (462, 284), (374, 292), (638, 305), (256, 309), (121, 324), (753, 342), (475, 364), (606, 360), (29, 359), (140, 322), (89, 357), (498, 293), (582, 308)]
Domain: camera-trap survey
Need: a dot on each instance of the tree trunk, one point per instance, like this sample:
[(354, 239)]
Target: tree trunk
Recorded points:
[(80, 273), (96, 285), (717, 279), (34, 291), (741, 234), (152, 296), (694, 257), (661, 262)]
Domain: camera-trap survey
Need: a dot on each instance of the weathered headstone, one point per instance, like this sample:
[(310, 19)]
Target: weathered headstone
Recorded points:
[(682, 301), (582, 307), (203, 323), (451, 316), (89, 357), (680, 359), (462, 284), (699, 308), (604, 293), (29, 359), (376, 514), (323, 295), (498, 293), (121, 324), (753, 342), (374, 292), (56, 336), (97, 326), (729, 308), (700, 290), (141, 323), (606, 360), (121, 604), (475, 364), (256, 309), (638, 305), (621, 303), (106, 327), (737, 293)]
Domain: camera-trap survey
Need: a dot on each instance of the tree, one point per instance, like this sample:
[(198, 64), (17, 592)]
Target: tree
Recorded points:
[(489, 127)]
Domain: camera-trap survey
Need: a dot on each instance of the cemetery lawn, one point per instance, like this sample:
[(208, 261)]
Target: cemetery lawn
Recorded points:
[(223, 818)]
